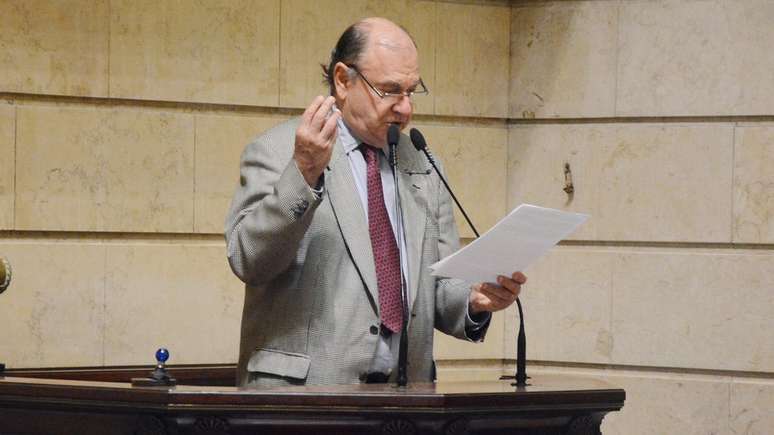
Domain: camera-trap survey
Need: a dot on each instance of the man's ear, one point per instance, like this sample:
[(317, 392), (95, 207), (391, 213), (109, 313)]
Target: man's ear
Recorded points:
[(341, 79)]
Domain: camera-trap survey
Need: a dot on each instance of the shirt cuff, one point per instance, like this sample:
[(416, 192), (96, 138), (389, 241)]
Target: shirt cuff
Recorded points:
[(320, 187), (475, 325)]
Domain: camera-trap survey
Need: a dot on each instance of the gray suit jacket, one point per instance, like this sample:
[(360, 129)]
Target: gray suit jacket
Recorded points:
[(311, 305)]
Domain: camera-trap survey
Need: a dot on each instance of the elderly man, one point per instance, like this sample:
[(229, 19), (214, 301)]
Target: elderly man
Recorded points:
[(312, 232)]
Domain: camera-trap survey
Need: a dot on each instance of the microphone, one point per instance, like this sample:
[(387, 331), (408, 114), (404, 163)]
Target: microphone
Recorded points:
[(393, 137), (5, 274), (521, 342)]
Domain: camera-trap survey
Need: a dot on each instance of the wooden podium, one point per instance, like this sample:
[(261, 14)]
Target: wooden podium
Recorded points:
[(62, 403)]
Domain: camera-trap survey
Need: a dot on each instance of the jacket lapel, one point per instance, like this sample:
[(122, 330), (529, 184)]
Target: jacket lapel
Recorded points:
[(412, 199), (345, 203)]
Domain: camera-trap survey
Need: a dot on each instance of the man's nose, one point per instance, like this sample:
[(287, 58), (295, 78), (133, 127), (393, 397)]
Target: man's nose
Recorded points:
[(403, 106)]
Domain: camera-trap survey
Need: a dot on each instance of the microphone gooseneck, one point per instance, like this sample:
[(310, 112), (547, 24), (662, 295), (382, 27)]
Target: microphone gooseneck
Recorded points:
[(521, 351), (393, 137), (419, 143), (521, 341)]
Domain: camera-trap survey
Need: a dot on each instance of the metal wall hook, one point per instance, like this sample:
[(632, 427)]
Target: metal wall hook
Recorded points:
[(569, 188)]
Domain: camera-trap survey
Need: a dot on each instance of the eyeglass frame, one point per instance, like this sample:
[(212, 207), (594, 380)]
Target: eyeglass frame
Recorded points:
[(382, 94)]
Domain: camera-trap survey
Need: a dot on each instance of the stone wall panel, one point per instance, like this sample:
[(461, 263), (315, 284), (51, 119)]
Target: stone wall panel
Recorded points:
[(639, 182), (563, 59), (182, 297), (704, 310), (53, 311), (754, 184), (567, 308), (7, 164), (224, 51), (658, 404), (472, 60), (94, 169), (58, 48), (697, 58), (752, 406)]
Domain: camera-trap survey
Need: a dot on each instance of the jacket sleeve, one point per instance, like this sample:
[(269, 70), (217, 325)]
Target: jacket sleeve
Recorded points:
[(271, 209), (452, 295)]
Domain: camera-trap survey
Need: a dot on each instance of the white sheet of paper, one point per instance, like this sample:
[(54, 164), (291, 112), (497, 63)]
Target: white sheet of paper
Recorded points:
[(517, 241)]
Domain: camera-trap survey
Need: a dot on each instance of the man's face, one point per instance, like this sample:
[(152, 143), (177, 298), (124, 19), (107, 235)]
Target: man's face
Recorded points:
[(392, 69)]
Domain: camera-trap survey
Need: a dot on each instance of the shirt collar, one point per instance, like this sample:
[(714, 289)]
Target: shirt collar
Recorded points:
[(347, 138)]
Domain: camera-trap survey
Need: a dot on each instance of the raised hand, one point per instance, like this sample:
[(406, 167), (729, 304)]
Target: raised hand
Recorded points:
[(315, 137)]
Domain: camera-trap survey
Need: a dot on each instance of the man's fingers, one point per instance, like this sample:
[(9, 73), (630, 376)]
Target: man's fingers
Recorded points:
[(328, 132), (319, 118), (519, 277), (497, 293), (509, 285), (493, 302), (312, 109)]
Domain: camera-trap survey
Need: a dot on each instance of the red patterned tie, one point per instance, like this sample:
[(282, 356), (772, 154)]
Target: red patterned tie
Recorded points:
[(383, 244)]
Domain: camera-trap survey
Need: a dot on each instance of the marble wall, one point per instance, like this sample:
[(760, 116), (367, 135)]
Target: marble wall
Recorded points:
[(663, 110), (7, 164), (121, 125)]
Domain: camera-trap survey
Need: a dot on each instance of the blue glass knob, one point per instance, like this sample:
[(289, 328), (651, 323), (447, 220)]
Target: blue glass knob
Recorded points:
[(162, 355)]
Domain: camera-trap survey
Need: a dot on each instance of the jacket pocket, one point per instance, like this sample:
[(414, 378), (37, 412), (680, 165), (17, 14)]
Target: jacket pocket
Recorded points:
[(279, 363)]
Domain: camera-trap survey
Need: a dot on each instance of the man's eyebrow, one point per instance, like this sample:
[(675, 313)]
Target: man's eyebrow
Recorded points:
[(391, 84)]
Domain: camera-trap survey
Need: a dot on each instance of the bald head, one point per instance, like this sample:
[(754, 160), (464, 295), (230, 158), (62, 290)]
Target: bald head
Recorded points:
[(365, 36), (384, 33)]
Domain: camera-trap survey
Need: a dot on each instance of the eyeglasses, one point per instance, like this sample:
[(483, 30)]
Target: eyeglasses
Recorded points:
[(420, 89)]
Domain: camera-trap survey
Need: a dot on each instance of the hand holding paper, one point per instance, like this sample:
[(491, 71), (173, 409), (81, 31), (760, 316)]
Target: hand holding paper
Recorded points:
[(487, 296)]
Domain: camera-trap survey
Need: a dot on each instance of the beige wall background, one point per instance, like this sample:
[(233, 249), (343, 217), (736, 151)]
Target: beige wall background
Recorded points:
[(121, 125)]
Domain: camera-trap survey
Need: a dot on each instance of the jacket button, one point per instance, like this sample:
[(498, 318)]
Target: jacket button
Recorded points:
[(374, 329)]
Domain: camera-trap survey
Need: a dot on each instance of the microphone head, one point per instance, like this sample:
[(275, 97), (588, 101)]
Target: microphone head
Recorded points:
[(5, 274), (417, 139), (393, 134)]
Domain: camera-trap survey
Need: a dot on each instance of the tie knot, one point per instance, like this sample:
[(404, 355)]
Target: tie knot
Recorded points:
[(369, 152)]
